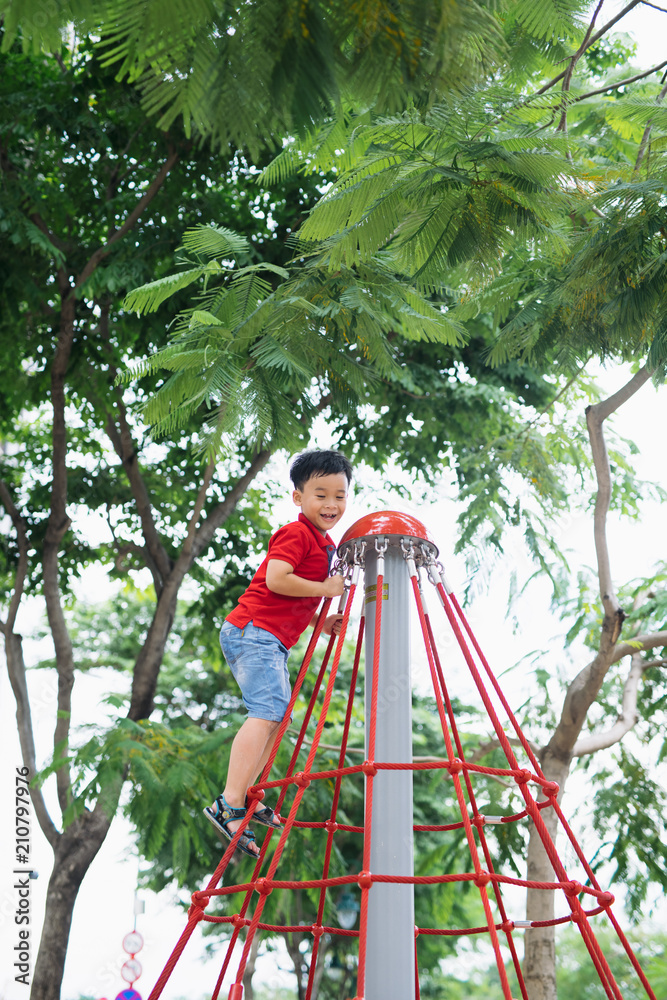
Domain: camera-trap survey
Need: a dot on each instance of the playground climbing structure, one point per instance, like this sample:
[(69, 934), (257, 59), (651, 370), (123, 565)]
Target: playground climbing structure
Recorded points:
[(399, 563)]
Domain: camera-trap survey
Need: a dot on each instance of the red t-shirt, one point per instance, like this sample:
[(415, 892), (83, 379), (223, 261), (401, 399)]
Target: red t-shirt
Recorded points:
[(300, 544)]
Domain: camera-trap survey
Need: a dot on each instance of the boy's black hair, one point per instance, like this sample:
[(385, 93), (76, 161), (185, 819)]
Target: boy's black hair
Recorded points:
[(310, 464)]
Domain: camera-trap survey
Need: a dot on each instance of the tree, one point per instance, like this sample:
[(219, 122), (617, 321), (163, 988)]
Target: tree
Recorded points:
[(443, 190), (95, 197), (617, 300), (247, 74), (92, 198), (573, 973)]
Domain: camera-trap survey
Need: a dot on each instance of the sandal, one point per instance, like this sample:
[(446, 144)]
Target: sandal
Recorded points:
[(265, 816), (224, 815)]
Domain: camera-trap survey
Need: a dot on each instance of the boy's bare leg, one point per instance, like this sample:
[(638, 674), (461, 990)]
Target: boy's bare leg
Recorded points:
[(265, 756), (250, 751)]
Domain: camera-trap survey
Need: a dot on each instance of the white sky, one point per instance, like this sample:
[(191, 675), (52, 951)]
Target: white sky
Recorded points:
[(104, 912), (647, 26)]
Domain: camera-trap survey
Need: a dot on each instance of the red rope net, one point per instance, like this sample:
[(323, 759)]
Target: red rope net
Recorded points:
[(583, 900)]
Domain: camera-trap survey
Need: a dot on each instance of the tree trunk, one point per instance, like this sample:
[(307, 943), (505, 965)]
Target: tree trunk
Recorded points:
[(540, 953), (292, 942), (249, 971), (149, 661), (73, 854), (322, 953), (76, 848), (539, 966)]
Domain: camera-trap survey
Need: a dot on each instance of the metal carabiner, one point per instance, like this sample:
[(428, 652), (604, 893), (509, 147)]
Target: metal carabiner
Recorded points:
[(337, 567), (427, 554), (359, 556), (420, 585), (429, 563), (443, 577), (408, 550), (381, 546)]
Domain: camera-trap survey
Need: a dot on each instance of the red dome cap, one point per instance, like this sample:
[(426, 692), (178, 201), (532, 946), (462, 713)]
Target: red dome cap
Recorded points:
[(387, 522)]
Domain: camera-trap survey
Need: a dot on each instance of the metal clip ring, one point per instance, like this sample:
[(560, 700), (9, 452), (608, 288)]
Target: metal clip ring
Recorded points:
[(408, 549), (359, 552)]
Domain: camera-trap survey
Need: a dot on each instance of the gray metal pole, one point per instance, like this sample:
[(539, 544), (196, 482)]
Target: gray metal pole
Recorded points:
[(390, 954)]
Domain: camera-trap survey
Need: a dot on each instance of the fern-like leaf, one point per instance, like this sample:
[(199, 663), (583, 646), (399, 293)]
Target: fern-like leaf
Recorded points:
[(149, 297)]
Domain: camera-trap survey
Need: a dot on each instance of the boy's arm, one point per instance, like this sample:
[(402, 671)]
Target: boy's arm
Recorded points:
[(281, 579)]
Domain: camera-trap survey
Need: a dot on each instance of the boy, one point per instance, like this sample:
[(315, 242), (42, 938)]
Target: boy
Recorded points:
[(276, 608)]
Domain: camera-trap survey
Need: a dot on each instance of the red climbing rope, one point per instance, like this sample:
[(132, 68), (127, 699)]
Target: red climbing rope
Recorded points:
[(477, 818), (583, 901)]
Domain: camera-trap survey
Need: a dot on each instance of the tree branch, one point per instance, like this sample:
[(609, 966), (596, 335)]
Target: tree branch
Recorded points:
[(651, 640), (628, 717), (60, 61), (57, 525), (58, 244), (595, 416), (17, 678), (566, 74), (222, 511), (22, 564), (17, 672), (591, 41), (58, 521), (124, 446), (643, 145), (148, 663), (198, 508), (583, 690), (118, 234), (621, 83), (567, 78), (608, 406), (493, 744)]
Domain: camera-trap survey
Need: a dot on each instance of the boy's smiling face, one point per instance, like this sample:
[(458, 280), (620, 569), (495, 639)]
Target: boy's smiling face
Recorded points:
[(323, 500)]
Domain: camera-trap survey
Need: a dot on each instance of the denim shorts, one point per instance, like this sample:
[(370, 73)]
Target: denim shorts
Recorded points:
[(258, 661)]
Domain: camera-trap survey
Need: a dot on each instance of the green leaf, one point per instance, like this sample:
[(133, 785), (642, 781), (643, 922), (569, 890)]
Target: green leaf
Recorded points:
[(149, 297), (214, 242)]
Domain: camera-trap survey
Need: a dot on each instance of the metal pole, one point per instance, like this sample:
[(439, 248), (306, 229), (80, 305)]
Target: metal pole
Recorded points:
[(390, 950)]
